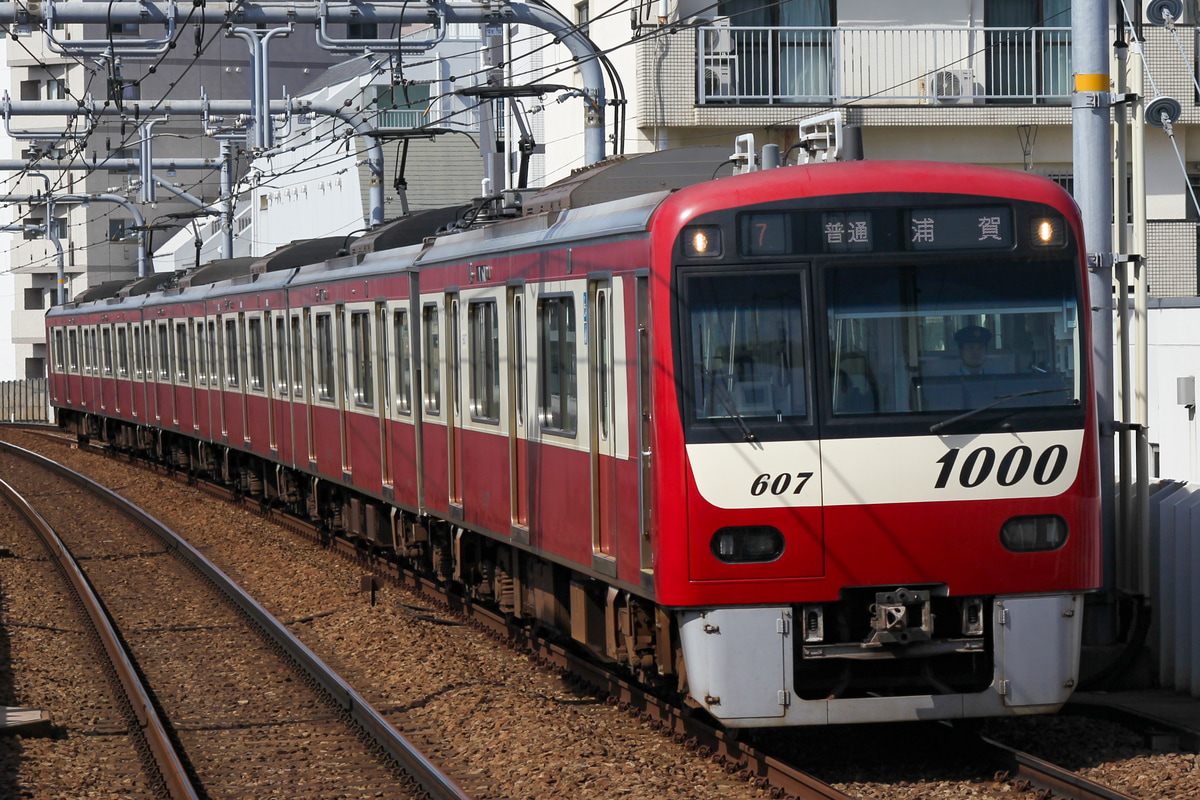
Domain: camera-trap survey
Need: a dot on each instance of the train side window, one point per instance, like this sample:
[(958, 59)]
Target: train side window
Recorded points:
[(106, 336), (254, 355), (122, 352), (403, 362), (518, 322), (360, 336), (281, 357), (150, 352), (164, 352), (603, 361), (214, 368), (73, 350), (297, 357), (59, 359), (87, 351), (183, 372), (201, 355), (433, 365), (324, 380), (137, 352), (558, 403), (483, 328), (232, 377)]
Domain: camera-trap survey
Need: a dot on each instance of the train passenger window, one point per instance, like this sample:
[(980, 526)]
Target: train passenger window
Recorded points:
[(122, 352), (150, 354), (360, 343), (59, 354), (297, 357), (558, 403), (403, 362), (281, 357), (433, 364), (201, 355), (106, 338), (165, 356), (518, 321), (324, 357), (232, 374), (214, 368), (182, 351), (255, 368), (89, 350), (73, 350), (747, 347), (938, 337), (483, 330), (138, 369), (603, 362)]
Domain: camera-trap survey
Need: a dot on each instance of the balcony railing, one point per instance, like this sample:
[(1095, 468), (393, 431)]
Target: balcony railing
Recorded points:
[(936, 66)]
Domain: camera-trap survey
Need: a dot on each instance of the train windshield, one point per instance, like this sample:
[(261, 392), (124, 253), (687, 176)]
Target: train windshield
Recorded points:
[(747, 337), (949, 337)]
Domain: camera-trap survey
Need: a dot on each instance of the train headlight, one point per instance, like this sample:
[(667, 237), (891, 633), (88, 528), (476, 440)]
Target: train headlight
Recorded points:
[(1048, 232), (1034, 534), (702, 241), (747, 544)]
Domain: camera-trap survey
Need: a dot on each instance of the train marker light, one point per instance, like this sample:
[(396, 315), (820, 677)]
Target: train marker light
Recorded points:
[(747, 544), (1034, 534), (1048, 232), (702, 241)]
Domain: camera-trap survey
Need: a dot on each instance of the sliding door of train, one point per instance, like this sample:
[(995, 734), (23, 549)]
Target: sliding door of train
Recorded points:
[(454, 357), (599, 330), (644, 362), (518, 433), (382, 385)]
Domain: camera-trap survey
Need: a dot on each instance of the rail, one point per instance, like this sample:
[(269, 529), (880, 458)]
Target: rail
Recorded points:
[(438, 785), (832, 65)]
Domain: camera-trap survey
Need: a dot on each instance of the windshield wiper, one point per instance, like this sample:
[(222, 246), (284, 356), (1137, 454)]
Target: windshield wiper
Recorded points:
[(998, 401), (726, 400)]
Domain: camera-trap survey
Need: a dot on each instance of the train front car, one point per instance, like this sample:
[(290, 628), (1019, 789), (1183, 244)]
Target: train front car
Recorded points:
[(876, 484)]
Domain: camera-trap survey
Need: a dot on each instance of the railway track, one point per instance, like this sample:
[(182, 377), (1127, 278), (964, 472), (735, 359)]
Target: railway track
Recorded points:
[(758, 765), (244, 705)]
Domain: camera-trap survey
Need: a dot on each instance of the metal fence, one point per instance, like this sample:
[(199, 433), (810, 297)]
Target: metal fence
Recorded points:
[(940, 66), (24, 401), (1174, 559)]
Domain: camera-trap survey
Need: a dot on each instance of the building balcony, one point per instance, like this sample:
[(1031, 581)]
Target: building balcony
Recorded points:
[(883, 66)]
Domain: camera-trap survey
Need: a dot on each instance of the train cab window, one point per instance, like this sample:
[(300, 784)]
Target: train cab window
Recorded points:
[(433, 364), (483, 330), (122, 352), (324, 357), (360, 345), (281, 357), (745, 338), (73, 350), (558, 397), (255, 368), (106, 338), (166, 358), (942, 337), (232, 373), (403, 370), (297, 358), (182, 350)]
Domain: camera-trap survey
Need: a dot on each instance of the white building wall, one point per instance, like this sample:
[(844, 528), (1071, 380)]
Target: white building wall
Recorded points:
[(1174, 344)]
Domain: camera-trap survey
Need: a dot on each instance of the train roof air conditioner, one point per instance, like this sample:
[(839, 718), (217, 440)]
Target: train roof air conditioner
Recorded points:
[(954, 87)]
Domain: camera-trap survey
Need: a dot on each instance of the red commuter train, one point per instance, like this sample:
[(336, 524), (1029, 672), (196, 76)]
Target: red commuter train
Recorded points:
[(815, 444)]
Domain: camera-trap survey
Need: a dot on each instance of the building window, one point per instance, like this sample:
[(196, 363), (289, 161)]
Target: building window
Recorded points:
[(1024, 62), (33, 227), (58, 228), (35, 299), (483, 330), (360, 336), (120, 230), (31, 90), (785, 50), (557, 390), (56, 89), (35, 368), (362, 30), (583, 16)]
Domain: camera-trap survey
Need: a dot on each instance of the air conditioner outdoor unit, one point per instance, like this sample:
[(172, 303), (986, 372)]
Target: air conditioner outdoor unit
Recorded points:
[(718, 40), (954, 87), (718, 80)]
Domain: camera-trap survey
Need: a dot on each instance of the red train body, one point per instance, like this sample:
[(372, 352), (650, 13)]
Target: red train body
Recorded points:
[(723, 435)]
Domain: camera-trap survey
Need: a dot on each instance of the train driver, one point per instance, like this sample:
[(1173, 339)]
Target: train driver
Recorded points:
[(973, 349)]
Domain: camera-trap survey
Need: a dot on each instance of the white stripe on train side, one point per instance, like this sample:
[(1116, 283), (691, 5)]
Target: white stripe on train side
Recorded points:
[(907, 469)]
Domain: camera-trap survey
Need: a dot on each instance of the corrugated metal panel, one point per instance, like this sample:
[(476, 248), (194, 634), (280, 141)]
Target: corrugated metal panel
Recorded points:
[(24, 401), (1175, 584)]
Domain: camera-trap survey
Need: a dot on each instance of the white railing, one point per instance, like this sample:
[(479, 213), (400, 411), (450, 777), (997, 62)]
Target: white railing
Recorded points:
[(935, 66)]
